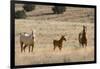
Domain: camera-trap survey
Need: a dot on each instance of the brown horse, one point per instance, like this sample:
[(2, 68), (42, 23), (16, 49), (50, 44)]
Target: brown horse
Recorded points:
[(58, 43), (82, 37)]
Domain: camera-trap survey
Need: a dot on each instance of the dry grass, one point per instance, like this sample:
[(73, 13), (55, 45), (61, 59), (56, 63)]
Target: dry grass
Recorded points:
[(50, 27)]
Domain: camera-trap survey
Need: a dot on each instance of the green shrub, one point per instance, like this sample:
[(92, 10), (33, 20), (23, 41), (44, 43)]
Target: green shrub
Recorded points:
[(58, 9), (28, 7), (20, 14)]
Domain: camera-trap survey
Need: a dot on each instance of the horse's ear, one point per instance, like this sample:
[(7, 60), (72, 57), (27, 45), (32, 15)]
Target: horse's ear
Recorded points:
[(64, 35), (32, 32), (84, 26)]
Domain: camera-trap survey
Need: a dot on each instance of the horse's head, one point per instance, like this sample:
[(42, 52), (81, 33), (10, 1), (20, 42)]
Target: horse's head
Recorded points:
[(63, 38), (84, 28)]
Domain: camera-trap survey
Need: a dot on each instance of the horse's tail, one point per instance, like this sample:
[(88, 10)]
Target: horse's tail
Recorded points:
[(54, 42)]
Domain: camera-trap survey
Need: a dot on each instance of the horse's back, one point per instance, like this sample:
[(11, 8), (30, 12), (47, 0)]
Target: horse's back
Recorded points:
[(55, 42)]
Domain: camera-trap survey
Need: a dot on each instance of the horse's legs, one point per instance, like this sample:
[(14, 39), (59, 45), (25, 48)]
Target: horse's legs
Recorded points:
[(86, 44), (29, 48), (25, 47), (54, 47), (60, 47), (82, 45), (21, 43), (32, 47)]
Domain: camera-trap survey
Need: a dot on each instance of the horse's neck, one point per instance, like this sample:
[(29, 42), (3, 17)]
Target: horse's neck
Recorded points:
[(61, 40), (84, 33)]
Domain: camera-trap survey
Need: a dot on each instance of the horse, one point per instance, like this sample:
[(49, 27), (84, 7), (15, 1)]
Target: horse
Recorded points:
[(82, 37), (58, 43), (26, 40)]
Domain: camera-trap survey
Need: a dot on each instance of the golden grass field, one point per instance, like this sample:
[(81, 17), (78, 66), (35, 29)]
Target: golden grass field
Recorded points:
[(52, 26)]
